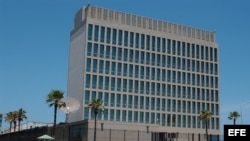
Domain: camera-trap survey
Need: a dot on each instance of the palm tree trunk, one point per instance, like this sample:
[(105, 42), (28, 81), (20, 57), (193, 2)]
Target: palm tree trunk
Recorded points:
[(96, 112), (234, 121), (14, 126), (10, 126), (19, 125), (55, 112)]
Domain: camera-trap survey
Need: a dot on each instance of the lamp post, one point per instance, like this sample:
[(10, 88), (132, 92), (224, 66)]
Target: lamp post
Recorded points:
[(241, 113), (67, 114)]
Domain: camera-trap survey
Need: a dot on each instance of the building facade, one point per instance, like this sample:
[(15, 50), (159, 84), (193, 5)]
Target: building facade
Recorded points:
[(149, 73)]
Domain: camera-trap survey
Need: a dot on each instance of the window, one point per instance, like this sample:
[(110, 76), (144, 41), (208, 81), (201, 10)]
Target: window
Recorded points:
[(101, 67), (118, 100), (102, 34), (113, 83), (153, 43), (136, 71), (136, 86), (130, 85), (90, 30), (158, 44), (114, 36), (130, 101), (106, 99), (120, 37), (163, 73), (178, 48), (132, 39), (135, 102), (137, 56), (137, 40), (88, 65), (142, 41), (106, 83), (131, 55), (101, 55), (87, 97), (119, 53), (87, 81), (96, 33), (147, 58), (153, 59), (112, 101), (107, 67), (147, 87), (168, 46), (100, 82), (152, 103), (197, 51), (141, 102), (113, 52), (107, 52), (125, 54), (126, 38), (173, 47), (130, 70), (193, 50), (89, 49), (119, 69), (135, 116), (148, 42), (141, 117), (125, 69), (118, 113), (124, 115), (108, 35), (183, 49), (142, 57), (188, 49), (95, 65), (124, 101), (124, 85)]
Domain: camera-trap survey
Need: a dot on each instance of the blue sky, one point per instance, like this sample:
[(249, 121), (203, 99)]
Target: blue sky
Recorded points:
[(34, 48)]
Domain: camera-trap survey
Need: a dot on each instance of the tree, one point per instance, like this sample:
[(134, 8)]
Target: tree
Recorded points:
[(54, 98), (21, 115), (15, 117), (96, 105), (9, 118), (204, 116), (233, 116)]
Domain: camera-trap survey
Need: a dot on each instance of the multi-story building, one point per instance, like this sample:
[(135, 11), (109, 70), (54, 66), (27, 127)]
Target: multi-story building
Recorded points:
[(151, 74)]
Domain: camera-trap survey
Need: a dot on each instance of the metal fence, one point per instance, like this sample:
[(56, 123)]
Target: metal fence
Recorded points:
[(78, 133), (124, 135)]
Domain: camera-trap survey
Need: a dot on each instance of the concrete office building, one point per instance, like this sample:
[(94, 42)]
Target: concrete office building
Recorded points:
[(151, 74)]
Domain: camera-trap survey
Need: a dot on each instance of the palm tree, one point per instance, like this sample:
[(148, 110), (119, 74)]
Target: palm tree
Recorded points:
[(9, 118), (233, 116), (54, 98), (21, 115), (95, 105), (204, 116), (15, 117)]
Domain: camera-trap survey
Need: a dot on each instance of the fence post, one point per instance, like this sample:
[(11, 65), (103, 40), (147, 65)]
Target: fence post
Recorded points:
[(138, 135), (124, 135), (110, 134)]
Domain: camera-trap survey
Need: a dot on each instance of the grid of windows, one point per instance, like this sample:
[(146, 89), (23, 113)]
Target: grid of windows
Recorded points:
[(139, 72)]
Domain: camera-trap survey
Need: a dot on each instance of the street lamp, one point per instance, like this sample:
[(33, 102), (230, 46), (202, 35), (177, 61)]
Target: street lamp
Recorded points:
[(241, 113), (67, 114)]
